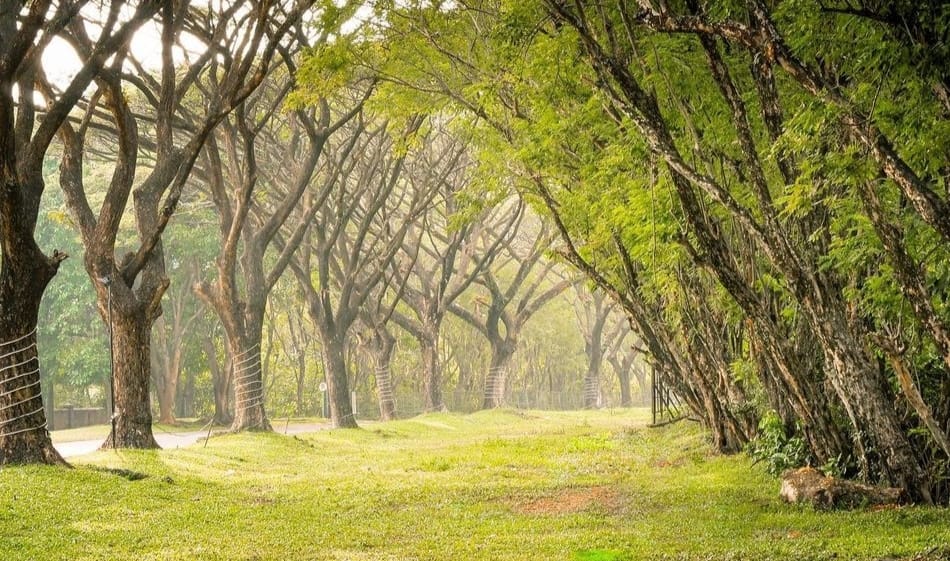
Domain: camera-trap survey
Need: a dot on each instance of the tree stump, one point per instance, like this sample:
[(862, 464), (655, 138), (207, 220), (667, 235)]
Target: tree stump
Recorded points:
[(807, 484)]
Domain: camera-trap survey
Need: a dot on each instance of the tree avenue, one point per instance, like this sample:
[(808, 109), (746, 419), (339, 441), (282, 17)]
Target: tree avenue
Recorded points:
[(751, 201)]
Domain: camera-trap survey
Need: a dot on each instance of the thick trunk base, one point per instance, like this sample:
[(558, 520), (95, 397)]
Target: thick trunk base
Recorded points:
[(133, 415), (249, 414), (23, 435)]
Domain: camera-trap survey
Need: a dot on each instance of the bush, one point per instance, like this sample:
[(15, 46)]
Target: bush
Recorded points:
[(775, 448)]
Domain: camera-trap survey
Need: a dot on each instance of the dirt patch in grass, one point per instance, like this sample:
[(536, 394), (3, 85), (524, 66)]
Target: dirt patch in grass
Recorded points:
[(677, 462), (935, 554), (570, 501)]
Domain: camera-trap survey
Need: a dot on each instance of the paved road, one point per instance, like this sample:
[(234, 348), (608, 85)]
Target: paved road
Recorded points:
[(175, 440)]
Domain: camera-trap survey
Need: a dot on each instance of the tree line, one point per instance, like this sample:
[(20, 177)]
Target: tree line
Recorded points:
[(212, 163)]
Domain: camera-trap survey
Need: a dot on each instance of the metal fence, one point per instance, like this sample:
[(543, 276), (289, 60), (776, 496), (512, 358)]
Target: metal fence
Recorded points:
[(410, 404)]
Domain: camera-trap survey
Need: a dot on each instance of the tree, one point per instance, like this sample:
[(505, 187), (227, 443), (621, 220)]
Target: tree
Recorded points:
[(444, 259), (168, 346), (27, 130), (623, 357), (256, 194), (593, 309), (859, 384), (509, 302), (130, 288), (364, 213)]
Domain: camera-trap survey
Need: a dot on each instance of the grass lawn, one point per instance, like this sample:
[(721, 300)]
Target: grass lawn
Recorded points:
[(585, 486), (97, 432)]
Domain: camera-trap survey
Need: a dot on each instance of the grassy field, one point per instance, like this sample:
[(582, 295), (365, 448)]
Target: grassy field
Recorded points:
[(491, 486), (96, 432)]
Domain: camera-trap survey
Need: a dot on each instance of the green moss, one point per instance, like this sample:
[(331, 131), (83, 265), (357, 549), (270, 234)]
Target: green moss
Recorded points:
[(494, 485)]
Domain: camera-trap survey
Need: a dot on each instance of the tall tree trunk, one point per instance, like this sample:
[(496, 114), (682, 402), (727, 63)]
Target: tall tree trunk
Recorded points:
[(243, 322), (338, 388), (592, 398), (592, 377), (301, 379), (133, 417), (384, 389), (24, 437), (185, 400), (25, 273), (167, 372), (866, 397), (622, 368), (220, 382), (166, 401), (624, 377)]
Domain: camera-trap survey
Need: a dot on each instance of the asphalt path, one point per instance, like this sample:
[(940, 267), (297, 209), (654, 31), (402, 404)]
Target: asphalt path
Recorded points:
[(169, 440)]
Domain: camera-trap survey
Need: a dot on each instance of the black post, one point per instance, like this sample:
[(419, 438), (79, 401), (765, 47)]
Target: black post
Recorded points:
[(108, 282)]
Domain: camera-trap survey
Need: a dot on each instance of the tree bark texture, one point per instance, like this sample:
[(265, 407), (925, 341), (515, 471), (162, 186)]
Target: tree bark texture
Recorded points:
[(133, 416), (338, 388)]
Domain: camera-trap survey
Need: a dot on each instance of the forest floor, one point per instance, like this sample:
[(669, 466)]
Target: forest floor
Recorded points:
[(500, 485)]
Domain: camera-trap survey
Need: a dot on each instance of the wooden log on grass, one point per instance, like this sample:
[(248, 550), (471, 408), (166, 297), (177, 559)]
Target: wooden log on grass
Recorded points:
[(809, 485)]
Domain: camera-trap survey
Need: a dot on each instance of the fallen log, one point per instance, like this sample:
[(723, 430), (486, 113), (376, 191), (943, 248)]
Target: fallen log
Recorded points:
[(808, 485)]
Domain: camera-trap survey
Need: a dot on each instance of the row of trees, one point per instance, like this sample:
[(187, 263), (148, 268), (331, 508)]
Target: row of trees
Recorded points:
[(761, 186), (361, 205)]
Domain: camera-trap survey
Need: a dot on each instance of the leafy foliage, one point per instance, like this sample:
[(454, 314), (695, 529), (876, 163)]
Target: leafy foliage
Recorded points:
[(775, 448)]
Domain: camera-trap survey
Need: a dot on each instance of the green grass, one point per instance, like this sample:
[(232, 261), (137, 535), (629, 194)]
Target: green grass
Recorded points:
[(593, 486), (96, 432)]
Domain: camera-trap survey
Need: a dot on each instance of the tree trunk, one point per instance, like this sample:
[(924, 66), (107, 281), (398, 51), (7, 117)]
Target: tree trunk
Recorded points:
[(624, 377), (247, 375), (338, 390), (167, 373), (383, 346), (384, 389), (166, 401), (133, 417), (431, 372), (24, 437), (495, 381), (185, 400), (879, 434), (221, 383), (592, 378), (622, 368), (25, 273), (301, 383)]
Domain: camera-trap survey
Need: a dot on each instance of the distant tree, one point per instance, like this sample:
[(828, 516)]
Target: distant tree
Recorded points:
[(366, 212), (515, 288), (169, 334), (593, 310), (445, 261), (622, 354)]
